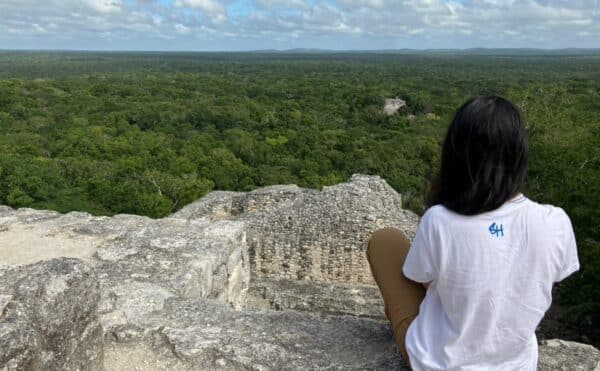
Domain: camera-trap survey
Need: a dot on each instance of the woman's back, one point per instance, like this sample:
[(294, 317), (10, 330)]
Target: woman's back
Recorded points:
[(492, 276), (486, 253)]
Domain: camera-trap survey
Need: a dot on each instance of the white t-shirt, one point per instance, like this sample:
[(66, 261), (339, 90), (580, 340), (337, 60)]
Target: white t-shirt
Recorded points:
[(491, 278)]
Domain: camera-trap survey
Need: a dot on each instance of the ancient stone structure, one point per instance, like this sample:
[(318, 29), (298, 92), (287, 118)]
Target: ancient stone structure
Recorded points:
[(271, 279), (392, 105)]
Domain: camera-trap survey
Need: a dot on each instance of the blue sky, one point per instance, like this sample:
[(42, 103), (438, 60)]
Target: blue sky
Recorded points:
[(286, 24)]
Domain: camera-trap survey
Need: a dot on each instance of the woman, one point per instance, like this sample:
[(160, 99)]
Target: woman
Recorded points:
[(470, 290)]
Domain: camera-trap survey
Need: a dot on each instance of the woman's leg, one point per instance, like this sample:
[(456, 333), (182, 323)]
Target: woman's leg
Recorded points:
[(386, 253)]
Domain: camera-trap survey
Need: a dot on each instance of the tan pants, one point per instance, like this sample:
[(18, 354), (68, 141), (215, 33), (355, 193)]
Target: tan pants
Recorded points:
[(386, 253)]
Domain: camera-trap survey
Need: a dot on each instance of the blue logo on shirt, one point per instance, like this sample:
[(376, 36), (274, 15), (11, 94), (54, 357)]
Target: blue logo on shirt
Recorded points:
[(496, 230)]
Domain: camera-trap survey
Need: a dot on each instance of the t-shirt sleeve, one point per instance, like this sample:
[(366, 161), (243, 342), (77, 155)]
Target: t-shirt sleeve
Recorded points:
[(419, 265), (571, 260)]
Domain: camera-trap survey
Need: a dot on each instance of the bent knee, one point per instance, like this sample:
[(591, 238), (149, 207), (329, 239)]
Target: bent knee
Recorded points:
[(387, 236), (387, 233)]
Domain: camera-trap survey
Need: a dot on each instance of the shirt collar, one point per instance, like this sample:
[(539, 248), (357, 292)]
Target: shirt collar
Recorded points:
[(517, 198)]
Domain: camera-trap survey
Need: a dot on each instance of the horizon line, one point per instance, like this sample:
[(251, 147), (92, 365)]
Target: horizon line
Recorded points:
[(294, 50)]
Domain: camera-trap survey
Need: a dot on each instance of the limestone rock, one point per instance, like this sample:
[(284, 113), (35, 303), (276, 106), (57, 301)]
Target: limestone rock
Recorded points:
[(303, 295), (560, 355), (271, 279), (50, 319), (204, 334)]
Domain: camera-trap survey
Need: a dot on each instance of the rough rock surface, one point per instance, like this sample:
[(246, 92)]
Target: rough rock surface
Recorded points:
[(49, 317), (270, 279)]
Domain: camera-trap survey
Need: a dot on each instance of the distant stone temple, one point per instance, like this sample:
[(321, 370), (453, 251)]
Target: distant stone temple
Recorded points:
[(392, 105)]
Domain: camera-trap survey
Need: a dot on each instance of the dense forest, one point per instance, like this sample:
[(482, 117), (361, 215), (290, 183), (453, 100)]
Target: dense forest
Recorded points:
[(147, 133)]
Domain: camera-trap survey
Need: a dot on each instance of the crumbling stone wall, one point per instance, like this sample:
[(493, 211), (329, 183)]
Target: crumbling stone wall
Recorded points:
[(306, 234), (321, 236)]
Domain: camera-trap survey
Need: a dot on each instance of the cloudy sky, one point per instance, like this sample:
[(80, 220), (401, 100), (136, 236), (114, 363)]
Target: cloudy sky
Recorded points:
[(286, 24)]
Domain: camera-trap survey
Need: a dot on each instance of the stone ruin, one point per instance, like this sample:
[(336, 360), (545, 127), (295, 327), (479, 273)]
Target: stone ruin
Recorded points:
[(272, 279), (392, 105)]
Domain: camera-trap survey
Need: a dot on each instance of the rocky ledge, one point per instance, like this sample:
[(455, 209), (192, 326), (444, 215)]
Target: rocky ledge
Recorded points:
[(270, 279)]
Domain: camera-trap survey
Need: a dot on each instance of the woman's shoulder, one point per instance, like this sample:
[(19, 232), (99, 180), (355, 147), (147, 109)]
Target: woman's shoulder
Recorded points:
[(548, 219), (435, 213), (542, 212), (547, 212)]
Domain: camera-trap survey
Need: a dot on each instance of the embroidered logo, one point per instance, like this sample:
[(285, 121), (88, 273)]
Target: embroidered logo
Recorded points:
[(496, 230)]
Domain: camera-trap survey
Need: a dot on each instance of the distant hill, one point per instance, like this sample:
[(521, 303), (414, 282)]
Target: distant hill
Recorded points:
[(470, 51)]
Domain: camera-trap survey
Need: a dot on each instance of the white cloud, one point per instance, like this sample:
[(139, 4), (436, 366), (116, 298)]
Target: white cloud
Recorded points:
[(104, 6), (296, 4), (212, 8), (181, 29), (416, 31), (303, 23), (39, 28), (372, 4)]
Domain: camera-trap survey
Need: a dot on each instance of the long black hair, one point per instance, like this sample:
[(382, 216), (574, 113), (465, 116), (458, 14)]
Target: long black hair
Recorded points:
[(484, 157)]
